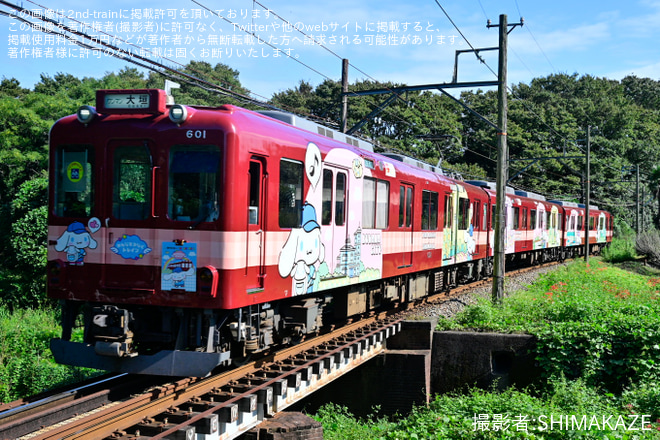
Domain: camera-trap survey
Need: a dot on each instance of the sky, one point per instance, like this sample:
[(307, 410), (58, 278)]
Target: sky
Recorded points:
[(275, 44)]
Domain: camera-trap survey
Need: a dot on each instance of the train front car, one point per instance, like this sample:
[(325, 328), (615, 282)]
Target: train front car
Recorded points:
[(156, 242)]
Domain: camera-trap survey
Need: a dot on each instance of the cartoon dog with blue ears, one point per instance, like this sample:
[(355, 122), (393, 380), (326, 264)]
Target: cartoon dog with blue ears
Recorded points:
[(302, 250), (73, 242)]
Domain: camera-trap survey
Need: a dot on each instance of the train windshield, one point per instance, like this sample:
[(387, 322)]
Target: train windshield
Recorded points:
[(74, 189), (193, 183), (131, 197)]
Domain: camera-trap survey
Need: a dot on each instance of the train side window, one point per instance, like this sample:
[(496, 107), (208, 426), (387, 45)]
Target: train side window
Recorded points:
[(516, 218), (74, 183), (463, 213), (592, 223), (194, 182), (493, 214), (532, 219), (375, 203), (340, 203), (255, 189), (405, 206), (291, 193), (131, 193), (402, 204), (382, 204), (580, 224), (409, 205), (429, 210), (449, 211), (326, 204), (369, 203), (475, 216), (484, 218)]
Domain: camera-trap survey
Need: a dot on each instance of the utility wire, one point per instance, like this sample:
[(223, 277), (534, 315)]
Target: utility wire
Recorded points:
[(131, 57), (475, 51)]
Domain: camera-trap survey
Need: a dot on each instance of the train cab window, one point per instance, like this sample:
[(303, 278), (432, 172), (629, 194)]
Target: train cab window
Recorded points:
[(194, 183), (74, 188), (131, 190), (291, 193), (429, 210)]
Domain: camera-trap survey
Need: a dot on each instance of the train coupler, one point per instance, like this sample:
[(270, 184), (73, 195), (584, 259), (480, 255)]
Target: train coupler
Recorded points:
[(110, 328)]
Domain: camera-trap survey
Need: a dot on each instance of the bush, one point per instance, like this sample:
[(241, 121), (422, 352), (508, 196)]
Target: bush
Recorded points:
[(620, 250), (648, 243), (26, 364)]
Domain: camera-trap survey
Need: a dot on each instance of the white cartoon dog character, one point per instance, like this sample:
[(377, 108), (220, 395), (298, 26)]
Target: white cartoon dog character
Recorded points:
[(74, 241), (302, 250)]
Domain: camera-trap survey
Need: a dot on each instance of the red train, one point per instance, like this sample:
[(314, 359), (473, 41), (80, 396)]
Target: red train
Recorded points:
[(184, 238)]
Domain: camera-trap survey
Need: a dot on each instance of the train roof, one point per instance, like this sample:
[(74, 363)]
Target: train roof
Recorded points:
[(314, 127), (489, 185), (311, 126)]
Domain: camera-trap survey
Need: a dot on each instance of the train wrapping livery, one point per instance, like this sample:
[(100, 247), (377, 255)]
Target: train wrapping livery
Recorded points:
[(182, 238)]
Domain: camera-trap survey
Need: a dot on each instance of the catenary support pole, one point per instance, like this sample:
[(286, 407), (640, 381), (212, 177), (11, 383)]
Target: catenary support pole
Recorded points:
[(502, 166), (587, 198), (344, 97)]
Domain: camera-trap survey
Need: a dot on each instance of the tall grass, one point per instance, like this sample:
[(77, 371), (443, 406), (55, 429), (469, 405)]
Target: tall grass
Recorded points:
[(26, 364)]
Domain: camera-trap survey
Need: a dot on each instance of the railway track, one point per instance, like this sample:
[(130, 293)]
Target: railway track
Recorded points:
[(221, 406)]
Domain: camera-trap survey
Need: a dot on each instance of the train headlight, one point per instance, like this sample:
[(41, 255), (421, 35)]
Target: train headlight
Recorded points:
[(178, 114), (85, 114)]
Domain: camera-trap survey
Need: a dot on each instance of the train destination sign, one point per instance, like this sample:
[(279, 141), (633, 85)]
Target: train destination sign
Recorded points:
[(127, 100), (131, 101)]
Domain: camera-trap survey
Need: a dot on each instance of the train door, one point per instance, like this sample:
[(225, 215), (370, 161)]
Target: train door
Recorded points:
[(334, 219), (129, 219), (406, 222), (449, 230), (256, 212)]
